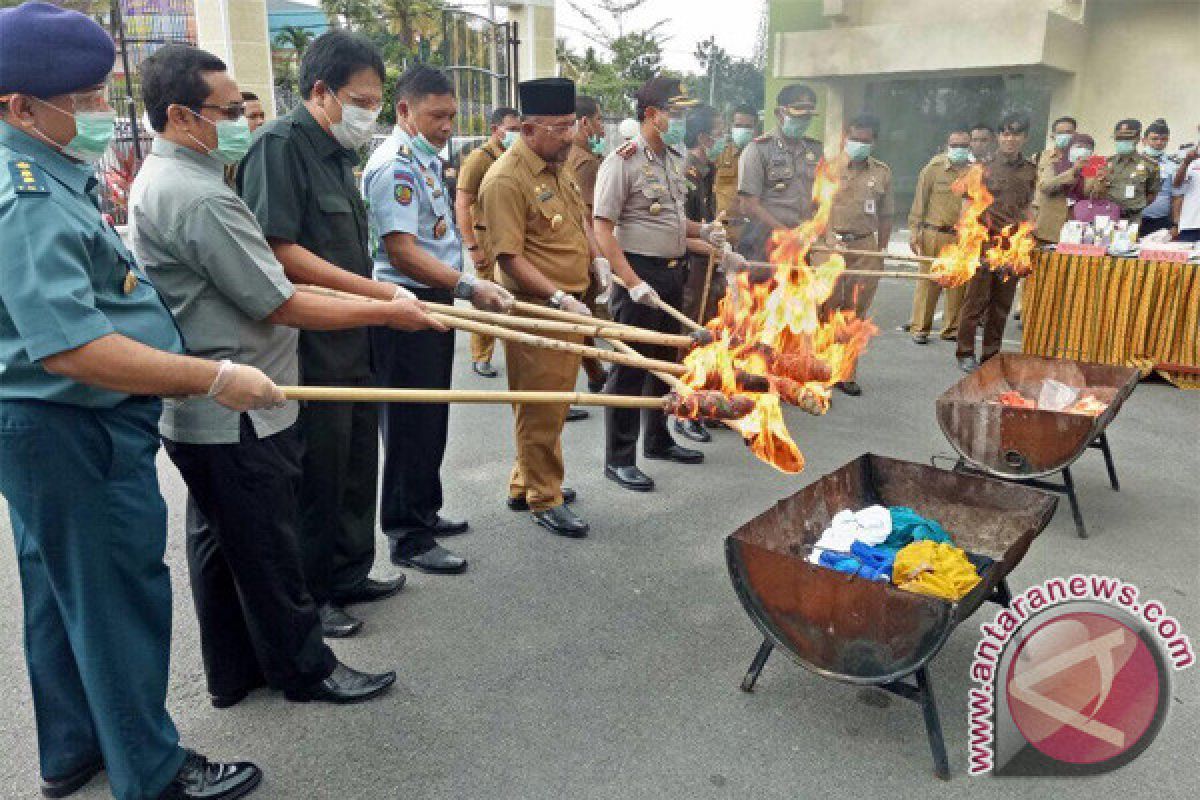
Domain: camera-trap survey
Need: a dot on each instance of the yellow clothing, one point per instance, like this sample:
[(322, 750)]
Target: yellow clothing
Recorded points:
[(936, 569)]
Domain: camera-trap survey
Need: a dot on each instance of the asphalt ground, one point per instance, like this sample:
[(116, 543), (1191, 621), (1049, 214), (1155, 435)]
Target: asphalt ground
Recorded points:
[(609, 667)]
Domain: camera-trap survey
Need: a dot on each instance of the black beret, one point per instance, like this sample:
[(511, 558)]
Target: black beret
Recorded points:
[(47, 51), (547, 97), (665, 93)]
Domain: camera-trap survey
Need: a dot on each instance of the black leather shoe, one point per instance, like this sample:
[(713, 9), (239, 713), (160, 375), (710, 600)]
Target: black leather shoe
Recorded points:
[(344, 685), (692, 429), (676, 453), (336, 623), (629, 477), (562, 521), (369, 591), (850, 388), (231, 699), (920, 338), (576, 414), (201, 779), (520, 504), (484, 369), (69, 784), (449, 527), (968, 363), (436, 561)]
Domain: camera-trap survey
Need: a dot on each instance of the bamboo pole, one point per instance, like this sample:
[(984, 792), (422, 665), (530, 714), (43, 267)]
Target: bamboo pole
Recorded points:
[(597, 328), (865, 273), (878, 254), (639, 361), (708, 276), (362, 394), (666, 377)]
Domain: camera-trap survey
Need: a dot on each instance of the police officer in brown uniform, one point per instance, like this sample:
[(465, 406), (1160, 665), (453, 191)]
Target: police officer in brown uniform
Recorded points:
[(534, 220), (860, 218), (935, 210), (776, 172), (1011, 178), (505, 129), (1130, 179), (583, 160), (642, 228)]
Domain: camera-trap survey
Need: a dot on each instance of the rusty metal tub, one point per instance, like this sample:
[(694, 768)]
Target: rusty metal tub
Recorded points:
[(866, 632), (1029, 444)]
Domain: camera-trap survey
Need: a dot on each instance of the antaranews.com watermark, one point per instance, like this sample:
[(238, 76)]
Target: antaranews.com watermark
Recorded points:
[(1072, 678)]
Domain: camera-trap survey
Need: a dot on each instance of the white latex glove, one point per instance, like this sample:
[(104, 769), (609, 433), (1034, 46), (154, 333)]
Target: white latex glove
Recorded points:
[(731, 262), (644, 294), (569, 303), (603, 272), (714, 234), (491, 296), (240, 387)]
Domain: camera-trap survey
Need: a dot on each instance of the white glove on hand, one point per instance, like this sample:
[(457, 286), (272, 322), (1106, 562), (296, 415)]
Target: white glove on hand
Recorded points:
[(240, 387), (490, 296), (604, 280), (714, 234), (569, 303), (644, 294), (732, 263)]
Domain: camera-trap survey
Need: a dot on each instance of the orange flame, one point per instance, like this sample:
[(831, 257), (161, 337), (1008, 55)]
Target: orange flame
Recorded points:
[(772, 341), (1010, 251)]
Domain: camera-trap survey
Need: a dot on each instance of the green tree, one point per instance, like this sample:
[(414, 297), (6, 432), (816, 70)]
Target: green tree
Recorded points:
[(294, 38)]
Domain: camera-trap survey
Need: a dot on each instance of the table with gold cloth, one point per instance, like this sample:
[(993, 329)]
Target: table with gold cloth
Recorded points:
[(1116, 311)]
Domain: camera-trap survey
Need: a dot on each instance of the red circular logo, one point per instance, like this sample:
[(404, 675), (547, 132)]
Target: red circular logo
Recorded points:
[(1083, 688)]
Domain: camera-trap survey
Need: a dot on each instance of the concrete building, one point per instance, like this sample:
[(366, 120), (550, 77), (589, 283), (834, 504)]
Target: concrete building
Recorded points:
[(236, 32), (535, 20), (924, 64)]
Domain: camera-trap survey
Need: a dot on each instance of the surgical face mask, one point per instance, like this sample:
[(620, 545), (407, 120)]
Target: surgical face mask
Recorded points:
[(233, 139), (510, 138), (1125, 146), (717, 148), (795, 127), (424, 145), (673, 135), (1062, 140), (742, 136), (356, 126), (1079, 153), (596, 144), (958, 155), (1153, 152), (857, 151), (94, 131)]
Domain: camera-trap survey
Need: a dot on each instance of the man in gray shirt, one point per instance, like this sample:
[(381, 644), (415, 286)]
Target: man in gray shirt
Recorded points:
[(206, 255)]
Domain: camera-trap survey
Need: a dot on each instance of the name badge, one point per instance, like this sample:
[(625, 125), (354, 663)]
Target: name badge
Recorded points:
[(869, 206), (1130, 191)]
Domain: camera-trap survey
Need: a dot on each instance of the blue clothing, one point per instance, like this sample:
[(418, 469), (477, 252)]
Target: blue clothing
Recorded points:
[(90, 530), (63, 275), (872, 563), (908, 526), (1168, 165), (405, 193)]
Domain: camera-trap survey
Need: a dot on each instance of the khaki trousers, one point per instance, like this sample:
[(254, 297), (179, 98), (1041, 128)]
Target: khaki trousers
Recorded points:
[(537, 474), (925, 298), (482, 347)]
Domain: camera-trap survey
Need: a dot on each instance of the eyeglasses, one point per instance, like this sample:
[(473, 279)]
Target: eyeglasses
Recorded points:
[(231, 111), (364, 103), (560, 129)]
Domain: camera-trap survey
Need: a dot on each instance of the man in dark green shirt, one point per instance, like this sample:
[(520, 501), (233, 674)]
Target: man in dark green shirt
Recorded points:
[(298, 179)]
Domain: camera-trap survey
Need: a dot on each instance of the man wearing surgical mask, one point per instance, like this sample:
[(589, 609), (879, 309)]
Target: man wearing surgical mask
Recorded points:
[(1157, 215), (776, 172), (1061, 131), (298, 179), (1129, 179), (743, 127), (230, 298)]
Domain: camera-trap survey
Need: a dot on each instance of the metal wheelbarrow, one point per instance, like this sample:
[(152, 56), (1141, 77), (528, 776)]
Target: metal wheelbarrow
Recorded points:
[(865, 632), (1027, 445)]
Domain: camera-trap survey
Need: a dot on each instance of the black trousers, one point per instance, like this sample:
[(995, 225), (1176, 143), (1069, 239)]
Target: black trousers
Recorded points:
[(340, 474), (621, 424), (257, 620), (414, 434)]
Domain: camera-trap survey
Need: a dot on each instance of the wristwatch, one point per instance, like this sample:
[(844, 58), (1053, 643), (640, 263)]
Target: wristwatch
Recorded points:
[(557, 298), (465, 288)]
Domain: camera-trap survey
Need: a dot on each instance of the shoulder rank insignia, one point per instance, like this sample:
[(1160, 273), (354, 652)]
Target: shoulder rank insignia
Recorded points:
[(27, 177), (628, 149)]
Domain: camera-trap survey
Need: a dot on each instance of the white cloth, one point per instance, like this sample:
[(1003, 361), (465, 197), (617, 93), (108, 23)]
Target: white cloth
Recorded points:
[(871, 526), (1189, 215)]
